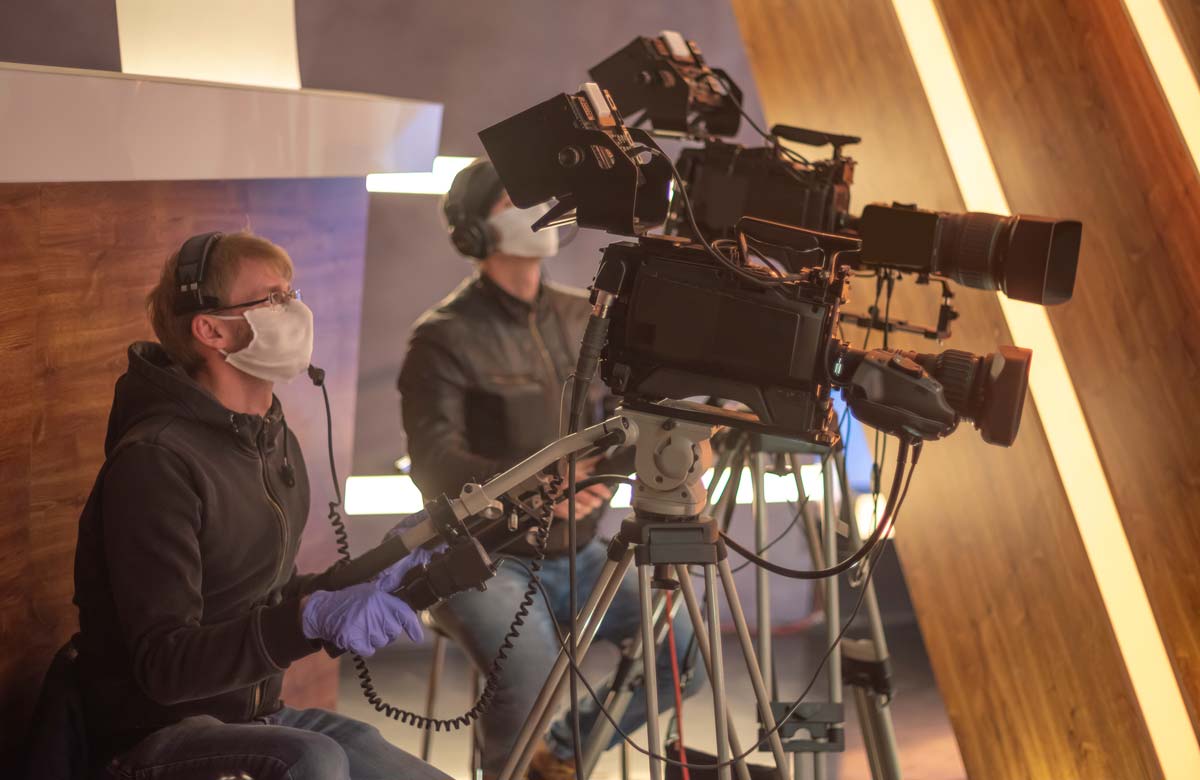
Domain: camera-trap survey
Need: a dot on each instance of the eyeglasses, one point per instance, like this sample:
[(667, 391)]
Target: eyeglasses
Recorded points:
[(274, 299)]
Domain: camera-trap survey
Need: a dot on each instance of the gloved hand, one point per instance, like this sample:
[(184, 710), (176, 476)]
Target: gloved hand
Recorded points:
[(419, 555), (411, 521), (366, 616)]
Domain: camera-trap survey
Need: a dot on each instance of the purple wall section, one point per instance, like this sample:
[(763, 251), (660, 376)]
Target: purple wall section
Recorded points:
[(64, 33), (487, 60)]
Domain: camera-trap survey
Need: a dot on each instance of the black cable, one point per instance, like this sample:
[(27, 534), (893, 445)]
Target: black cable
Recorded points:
[(765, 738), (492, 680), (598, 479), (759, 279), (858, 555), (727, 83), (779, 538)]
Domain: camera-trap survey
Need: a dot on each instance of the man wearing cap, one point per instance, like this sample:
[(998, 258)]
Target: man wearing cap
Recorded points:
[(481, 388)]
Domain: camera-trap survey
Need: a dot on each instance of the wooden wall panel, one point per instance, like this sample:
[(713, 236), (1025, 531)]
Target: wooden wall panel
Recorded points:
[(1076, 124), (1004, 594), (76, 264), (1185, 17)]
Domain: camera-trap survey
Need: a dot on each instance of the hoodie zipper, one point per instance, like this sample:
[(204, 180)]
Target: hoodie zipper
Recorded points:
[(279, 515), (283, 545)]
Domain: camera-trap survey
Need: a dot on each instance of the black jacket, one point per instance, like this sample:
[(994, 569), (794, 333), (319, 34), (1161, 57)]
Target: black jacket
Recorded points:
[(184, 572), (482, 384)]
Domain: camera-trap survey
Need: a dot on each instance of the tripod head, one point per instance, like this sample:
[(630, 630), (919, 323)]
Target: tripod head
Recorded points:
[(672, 456)]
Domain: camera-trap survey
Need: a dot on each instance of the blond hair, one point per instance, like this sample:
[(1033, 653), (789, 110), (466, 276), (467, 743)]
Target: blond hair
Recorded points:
[(174, 330)]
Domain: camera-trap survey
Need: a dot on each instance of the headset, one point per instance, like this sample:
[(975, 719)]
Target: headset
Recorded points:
[(189, 274), (469, 234), (465, 206)]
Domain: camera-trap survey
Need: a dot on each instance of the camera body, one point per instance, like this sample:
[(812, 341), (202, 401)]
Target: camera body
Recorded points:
[(728, 181), (666, 77), (682, 326)]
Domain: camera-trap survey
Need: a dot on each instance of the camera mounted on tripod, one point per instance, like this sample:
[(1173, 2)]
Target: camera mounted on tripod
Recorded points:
[(753, 316)]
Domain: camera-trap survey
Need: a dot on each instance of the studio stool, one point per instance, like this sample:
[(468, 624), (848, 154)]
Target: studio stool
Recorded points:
[(440, 638)]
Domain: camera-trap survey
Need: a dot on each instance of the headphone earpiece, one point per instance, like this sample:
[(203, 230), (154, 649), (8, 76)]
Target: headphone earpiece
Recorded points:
[(189, 274), (470, 236), (472, 239)]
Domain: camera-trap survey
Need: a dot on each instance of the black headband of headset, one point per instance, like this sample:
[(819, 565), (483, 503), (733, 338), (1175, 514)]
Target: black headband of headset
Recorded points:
[(189, 274), (472, 194)]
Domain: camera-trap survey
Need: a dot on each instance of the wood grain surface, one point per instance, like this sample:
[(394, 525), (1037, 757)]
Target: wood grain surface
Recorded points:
[(76, 263), (1071, 111), (1185, 18), (1019, 640)]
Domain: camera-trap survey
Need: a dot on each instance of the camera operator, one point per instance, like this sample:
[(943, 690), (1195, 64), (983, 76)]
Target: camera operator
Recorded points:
[(190, 606), (482, 388)]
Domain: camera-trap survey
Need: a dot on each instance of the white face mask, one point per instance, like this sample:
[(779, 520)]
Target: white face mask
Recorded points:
[(514, 235), (282, 346)]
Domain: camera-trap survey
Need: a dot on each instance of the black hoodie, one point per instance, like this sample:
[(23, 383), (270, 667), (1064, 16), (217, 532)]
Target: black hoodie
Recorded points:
[(189, 601)]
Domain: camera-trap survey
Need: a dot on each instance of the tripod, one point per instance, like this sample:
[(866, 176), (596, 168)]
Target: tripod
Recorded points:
[(863, 663), (665, 535)]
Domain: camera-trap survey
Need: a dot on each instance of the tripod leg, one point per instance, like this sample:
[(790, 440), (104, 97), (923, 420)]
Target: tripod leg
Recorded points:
[(832, 604), (602, 595), (762, 576), (756, 678), (693, 607), (874, 711), (804, 767), (620, 692), (650, 672), (720, 703), (727, 457)]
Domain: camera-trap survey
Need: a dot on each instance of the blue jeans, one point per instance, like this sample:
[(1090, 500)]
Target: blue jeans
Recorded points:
[(478, 621), (289, 745)]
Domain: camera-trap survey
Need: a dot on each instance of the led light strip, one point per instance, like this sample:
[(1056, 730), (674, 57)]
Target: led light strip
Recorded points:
[(230, 41), (1170, 64), (1087, 489), (435, 182), (395, 494)]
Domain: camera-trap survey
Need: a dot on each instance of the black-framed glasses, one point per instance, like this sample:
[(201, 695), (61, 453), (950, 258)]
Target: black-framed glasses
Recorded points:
[(273, 298)]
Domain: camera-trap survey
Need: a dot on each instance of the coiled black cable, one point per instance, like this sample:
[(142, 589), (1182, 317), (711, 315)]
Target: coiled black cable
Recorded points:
[(492, 680)]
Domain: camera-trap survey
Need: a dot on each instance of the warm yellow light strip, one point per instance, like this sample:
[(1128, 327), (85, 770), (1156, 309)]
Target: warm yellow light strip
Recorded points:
[(231, 41), (1083, 479), (1170, 64)]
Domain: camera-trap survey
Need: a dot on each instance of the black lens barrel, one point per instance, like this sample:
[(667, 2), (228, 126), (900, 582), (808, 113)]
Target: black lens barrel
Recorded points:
[(988, 390), (1027, 258)]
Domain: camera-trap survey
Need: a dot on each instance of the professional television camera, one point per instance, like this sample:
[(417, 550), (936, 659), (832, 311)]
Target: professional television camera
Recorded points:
[(665, 77), (677, 319)]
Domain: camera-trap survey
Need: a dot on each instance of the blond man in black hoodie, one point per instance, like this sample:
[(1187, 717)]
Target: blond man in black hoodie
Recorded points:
[(190, 605)]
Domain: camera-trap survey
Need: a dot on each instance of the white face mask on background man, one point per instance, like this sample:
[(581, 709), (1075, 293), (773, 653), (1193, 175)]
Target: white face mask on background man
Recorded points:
[(281, 348), (514, 234)]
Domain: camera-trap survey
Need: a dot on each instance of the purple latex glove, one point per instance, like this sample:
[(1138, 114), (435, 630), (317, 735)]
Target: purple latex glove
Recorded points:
[(420, 554), (411, 521), (366, 616)]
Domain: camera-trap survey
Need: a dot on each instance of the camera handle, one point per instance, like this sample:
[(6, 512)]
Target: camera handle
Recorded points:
[(444, 519)]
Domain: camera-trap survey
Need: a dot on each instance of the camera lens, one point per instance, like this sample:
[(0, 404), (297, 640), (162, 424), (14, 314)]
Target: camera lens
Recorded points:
[(1028, 258), (988, 390)]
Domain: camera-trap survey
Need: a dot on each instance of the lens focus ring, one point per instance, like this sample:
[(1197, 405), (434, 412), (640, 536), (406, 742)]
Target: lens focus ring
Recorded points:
[(955, 369)]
